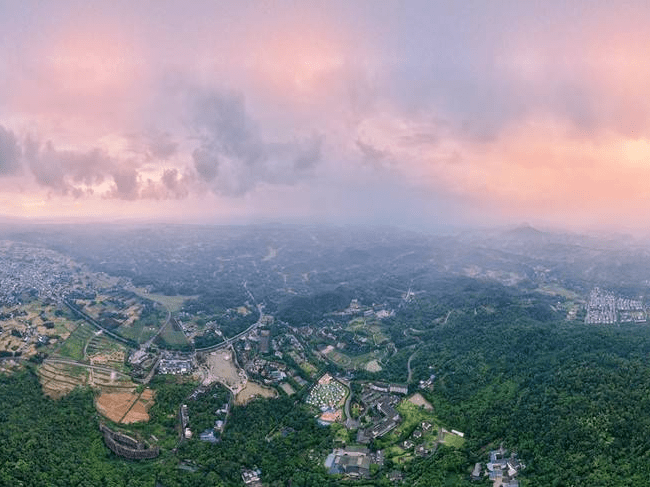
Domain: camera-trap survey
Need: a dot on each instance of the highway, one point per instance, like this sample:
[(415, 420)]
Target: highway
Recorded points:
[(93, 322), (226, 343), (148, 343)]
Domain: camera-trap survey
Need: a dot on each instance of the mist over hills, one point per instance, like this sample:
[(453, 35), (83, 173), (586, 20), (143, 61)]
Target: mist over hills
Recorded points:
[(283, 261)]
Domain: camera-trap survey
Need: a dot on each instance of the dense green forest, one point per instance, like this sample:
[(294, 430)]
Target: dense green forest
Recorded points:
[(571, 398)]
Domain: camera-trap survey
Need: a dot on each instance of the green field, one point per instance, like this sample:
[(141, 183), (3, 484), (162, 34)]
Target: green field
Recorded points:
[(370, 330), (104, 345), (356, 324), (453, 440), (174, 337), (557, 290), (73, 347), (308, 368), (340, 359), (378, 335), (397, 454), (412, 416), (140, 330), (144, 328), (172, 303)]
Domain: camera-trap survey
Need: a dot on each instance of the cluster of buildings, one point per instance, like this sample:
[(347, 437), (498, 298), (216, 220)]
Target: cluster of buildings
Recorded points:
[(327, 395), (603, 307), (30, 272), (393, 388), (502, 468), (416, 440), (380, 415), (251, 477), (271, 372), (377, 311), (175, 363), (427, 384), (353, 461), (186, 432), (210, 434)]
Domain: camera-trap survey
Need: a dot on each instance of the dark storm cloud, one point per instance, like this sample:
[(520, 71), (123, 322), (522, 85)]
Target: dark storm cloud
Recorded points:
[(9, 152), (233, 156)]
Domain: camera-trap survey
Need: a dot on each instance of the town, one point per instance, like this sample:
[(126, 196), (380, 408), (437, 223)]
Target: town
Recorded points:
[(604, 307)]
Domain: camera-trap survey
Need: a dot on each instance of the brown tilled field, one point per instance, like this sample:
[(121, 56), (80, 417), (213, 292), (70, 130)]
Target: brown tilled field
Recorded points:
[(124, 407), (59, 379), (114, 405)]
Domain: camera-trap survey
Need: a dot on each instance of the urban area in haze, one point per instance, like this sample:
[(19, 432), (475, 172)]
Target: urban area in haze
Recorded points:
[(313, 243)]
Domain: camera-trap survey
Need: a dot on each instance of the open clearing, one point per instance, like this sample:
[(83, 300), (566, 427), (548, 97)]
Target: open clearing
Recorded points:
[(419, 400), (557, 290), (373, 366), (115, 405), (75, 344), (338, 358), (451, 439), (58, 379), (173, 336), (172, 303), (286, 387), (252, 390), (354, 362), (221, 368), (138, 330)]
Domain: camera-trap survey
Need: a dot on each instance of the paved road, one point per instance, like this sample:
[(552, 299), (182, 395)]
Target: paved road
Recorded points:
[(408, 367), (93, 322), (230, 340), (148, 343), (349, 422)]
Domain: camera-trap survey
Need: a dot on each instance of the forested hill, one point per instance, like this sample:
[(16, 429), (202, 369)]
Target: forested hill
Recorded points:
[(571, 398), (280, 262)]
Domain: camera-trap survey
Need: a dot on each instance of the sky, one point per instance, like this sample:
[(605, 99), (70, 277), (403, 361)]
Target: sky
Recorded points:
[(408, 113)]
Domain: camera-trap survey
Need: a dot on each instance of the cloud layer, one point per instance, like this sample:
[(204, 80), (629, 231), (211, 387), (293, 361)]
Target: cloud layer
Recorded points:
[(476, 112)]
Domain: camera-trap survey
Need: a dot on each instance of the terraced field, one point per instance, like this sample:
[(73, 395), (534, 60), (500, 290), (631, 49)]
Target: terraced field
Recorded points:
[(102, 350), (59, 379)]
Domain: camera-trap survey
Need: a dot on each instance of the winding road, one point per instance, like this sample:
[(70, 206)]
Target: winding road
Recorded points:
[(408, 367), (226, 343)]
